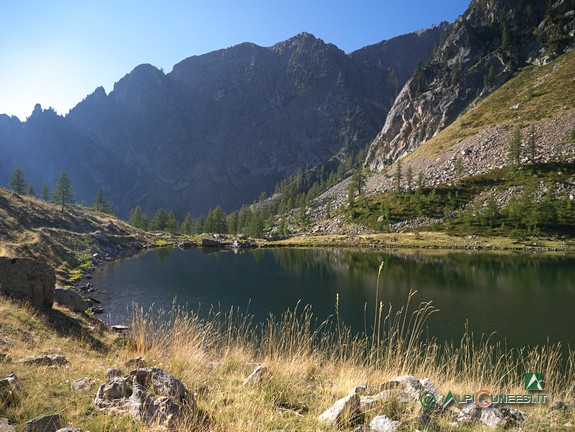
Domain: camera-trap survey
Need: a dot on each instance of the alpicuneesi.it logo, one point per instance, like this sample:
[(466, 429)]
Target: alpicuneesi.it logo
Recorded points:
[(533, 382)]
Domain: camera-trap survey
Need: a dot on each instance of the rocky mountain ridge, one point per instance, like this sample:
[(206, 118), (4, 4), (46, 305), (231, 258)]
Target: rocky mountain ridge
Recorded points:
[(479, 53), (220, 128)]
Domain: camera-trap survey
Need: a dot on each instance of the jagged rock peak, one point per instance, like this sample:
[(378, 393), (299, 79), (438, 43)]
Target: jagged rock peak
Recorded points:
[(480, 52)]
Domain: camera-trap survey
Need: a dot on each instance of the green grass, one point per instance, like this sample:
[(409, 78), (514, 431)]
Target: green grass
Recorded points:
[(458, 196)]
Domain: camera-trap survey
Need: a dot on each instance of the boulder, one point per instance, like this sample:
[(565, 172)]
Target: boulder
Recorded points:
[(185, 245), (5, 425), (341, 413), (46, 360), (257, 376), (70, 299), (500, 417), (493, 417), (211, 243), (47, 423), (28, 279), (83, 384), (383, 423), (147, 394), (113, 393)]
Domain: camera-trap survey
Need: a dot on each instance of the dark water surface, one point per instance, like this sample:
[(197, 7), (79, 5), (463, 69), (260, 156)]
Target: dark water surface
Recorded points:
[(526, 299)]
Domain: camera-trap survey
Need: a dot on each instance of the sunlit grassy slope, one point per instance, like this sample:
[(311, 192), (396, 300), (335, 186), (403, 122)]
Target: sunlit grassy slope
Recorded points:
[(533, 94), (312, 364)]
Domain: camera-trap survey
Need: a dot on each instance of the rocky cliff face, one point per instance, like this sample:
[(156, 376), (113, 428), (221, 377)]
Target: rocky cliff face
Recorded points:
[(220, 127), (479, 53)]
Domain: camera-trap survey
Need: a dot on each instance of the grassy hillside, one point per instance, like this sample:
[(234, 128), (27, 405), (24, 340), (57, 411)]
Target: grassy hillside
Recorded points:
[(464, 180), (309, 370), (534, 94), (66, 240)]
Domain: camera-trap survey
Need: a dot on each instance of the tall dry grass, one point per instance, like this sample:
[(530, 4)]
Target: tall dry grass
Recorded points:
[(316, 362)]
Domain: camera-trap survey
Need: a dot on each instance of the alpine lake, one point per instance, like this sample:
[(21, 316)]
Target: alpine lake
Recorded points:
[(518, 299)]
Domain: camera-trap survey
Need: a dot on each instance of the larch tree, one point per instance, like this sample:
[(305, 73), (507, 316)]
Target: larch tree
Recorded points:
[(63, 193)]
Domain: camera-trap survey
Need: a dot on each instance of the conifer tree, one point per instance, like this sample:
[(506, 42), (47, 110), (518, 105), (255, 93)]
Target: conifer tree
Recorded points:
[(172, 224), (138, 218), (514, 151), (18, 181), (200, 225), (532, 144), (160, 220), (45, 192), (101, 203), (398, 177), (63, 193), (31, 190), (188, 224)]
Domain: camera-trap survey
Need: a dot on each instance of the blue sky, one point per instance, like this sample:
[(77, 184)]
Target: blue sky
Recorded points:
[(57, 52)]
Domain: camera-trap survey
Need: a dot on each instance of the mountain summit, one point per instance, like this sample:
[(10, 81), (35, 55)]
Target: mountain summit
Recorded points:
[(220, 128)]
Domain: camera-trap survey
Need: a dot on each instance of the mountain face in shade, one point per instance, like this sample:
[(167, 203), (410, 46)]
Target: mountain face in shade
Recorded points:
[(479, 53), (220, 128)]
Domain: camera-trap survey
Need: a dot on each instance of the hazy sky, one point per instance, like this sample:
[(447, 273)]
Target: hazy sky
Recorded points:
[(56, 52)]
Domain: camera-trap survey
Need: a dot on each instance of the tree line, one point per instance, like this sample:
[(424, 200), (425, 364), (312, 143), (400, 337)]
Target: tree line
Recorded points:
[(63, 193)]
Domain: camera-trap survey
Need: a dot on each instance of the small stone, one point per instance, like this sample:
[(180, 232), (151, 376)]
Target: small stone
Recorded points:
[(257, 376), (136, 363), (9, 388), (342, 413), (69, 429), (113, 373), (563, 405), (47, 423), (383, 423), (5, 425), (83, 384)]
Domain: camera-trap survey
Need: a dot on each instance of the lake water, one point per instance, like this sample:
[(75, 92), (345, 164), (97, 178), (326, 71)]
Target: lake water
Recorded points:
[(525, 299)]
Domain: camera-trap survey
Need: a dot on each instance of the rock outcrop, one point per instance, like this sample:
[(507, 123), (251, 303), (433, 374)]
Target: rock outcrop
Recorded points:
[(220, 128), (28, 279), (480, 52)]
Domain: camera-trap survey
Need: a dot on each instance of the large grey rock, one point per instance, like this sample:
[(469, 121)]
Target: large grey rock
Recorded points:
[(498, 416), (70, 299), (383, 423), (341, 413), (113, 393), (147, 394), (47, 423), (5, 425), (28, 279), (493, 417), (45, 360)]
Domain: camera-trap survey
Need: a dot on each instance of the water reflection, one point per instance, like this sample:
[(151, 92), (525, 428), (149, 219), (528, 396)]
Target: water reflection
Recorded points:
[(526, 299)]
